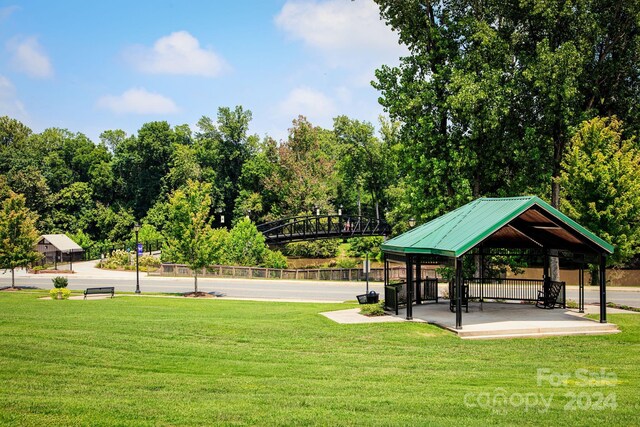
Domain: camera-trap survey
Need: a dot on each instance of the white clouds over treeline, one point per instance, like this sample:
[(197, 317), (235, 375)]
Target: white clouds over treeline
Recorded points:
[(178, 53)]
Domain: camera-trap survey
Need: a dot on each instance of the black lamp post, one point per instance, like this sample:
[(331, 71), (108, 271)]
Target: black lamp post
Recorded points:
[(136, 228)]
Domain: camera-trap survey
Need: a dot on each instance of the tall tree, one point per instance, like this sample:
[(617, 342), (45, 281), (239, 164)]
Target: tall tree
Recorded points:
[(141, 162), (18, 235), (600, 184), (222, 148), (189, 238), (491, 91), (306, 175)]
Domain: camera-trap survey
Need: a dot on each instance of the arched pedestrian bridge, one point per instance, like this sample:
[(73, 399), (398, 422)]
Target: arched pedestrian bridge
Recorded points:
[(316, 227)]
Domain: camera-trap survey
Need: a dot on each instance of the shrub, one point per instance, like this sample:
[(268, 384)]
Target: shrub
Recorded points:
[(60, 282), (571, 304), (326, 248), (63, 292), (274, 259), (346, 263), (148, 261), (372, 309), (360, 246), (117, 259)]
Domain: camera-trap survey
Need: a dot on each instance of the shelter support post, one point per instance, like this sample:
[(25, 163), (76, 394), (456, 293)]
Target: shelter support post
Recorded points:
[(603, 289), (418, 280), (581, 288), (409, 266), (458, 284), (481, 278), (386, 269)]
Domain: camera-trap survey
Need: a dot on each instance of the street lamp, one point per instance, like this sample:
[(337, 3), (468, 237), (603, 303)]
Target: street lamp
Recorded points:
[(412, 222), (136, 228), (340, 211), (219, 212)]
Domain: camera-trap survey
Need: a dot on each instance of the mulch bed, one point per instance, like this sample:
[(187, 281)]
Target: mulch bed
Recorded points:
[(50, 272), (198, 295)]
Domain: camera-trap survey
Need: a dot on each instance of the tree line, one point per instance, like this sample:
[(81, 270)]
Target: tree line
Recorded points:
[(494, 99)]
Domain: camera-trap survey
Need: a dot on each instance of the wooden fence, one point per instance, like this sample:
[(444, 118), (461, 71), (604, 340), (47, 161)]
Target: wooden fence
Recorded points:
[(334, 274)]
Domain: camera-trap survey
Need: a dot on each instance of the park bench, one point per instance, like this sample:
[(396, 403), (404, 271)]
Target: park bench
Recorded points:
[(99, 291), (548, 295)]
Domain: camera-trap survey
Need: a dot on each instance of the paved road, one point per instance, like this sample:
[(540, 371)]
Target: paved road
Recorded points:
[(286, 290)]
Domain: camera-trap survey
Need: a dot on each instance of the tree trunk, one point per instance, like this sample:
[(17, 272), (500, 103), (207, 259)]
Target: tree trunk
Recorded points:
[(195, 280), (13, 278)]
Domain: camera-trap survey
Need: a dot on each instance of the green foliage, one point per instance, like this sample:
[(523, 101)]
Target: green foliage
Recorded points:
[(148, 233), (18, 235), (116, 259), (63, 292), (490, 92), (60, 282), (188, 234), (600, 184), (148, 262), (324, 248), (360, 246), (344, 262), (246, 245), (372, 310), (81, 238), (274, 259)]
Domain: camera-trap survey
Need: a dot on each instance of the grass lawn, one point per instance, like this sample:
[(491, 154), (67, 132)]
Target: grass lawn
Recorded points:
[(169, 361)]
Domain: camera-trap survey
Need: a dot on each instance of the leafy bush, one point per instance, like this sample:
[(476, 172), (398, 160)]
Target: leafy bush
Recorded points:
[(346, 263), (117, 259), (245, 245), (274, 259), (571, 304), (63, 292), (326, 248), (372, 309), (148, 261), (360, 246), (60, 282)]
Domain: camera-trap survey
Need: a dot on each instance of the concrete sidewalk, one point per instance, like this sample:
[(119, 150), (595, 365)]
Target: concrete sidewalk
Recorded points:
[(496, 320)]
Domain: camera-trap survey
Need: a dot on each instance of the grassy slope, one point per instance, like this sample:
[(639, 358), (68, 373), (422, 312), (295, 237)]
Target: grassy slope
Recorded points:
[(157, 361)]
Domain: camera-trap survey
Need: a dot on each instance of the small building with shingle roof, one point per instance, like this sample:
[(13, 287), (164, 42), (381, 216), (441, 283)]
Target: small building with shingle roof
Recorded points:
[(59, 248)]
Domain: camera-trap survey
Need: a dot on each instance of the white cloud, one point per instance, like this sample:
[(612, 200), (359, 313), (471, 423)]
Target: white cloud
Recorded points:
[(138, 101), (29, 57), (7, 11), (313, 104), (347, 33), (10, 105), (177, 53)]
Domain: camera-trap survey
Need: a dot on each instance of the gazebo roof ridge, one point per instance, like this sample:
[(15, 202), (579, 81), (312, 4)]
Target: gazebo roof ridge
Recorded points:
[(456, 232)]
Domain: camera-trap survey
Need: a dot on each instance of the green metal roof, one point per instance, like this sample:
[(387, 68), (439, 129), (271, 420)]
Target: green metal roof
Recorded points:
[(459, 231)]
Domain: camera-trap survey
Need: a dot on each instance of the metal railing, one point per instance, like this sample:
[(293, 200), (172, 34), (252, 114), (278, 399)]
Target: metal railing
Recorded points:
[(322, 226), (510, 289), (395, 294), (96, 252)]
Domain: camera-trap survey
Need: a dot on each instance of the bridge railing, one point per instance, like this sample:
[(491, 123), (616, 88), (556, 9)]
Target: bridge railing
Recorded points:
[(322, 226)]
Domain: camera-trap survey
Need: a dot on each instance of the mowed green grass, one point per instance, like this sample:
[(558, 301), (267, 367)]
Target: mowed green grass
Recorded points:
[(170, 361)]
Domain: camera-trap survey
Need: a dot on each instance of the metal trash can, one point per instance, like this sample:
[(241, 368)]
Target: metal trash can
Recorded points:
[(373, 297)]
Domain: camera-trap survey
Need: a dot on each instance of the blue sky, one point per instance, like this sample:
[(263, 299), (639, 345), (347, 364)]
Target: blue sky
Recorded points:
[(93, 66)]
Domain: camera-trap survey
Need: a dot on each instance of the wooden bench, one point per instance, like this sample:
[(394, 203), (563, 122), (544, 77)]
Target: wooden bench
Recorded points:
[(99, 291)]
